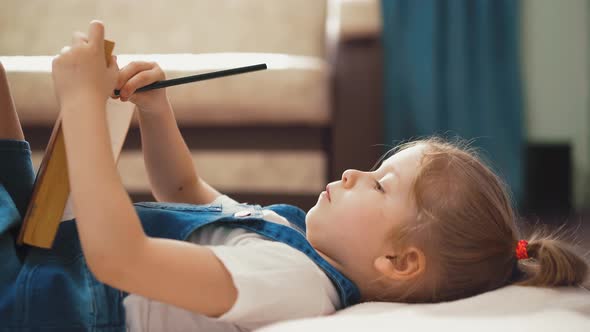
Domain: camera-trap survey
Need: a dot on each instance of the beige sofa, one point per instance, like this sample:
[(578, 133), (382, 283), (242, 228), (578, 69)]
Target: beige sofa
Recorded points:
[(263, 137)]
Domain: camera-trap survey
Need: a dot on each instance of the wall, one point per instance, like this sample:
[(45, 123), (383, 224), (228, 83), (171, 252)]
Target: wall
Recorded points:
[(555, 59)]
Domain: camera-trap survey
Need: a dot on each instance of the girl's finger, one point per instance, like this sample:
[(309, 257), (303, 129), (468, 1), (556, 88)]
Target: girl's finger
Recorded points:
[(131, 70), (79, 38), (113, 63), (96, 34), (142, 79)]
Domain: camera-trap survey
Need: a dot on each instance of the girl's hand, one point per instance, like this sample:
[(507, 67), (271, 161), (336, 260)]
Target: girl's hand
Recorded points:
[(80, 72), (136, 75)]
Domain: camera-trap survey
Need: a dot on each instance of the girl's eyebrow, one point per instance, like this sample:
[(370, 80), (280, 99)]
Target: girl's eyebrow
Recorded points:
[(388, 183), (389, 169), (384, 175)]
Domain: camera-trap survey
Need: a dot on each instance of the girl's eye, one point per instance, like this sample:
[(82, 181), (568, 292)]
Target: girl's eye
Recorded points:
[(379, 187)]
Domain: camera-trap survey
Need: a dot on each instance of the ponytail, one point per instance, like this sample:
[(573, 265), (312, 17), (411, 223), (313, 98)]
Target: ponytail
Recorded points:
[(550, 263)]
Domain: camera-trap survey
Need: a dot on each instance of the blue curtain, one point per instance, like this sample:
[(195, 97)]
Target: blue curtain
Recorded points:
[(452, 68)]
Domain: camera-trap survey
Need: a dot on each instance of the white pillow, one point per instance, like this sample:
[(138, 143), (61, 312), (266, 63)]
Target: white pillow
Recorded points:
[(512, 308)]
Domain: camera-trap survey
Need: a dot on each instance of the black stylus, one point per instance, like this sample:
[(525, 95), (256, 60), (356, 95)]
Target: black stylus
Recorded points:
[(199, 77)]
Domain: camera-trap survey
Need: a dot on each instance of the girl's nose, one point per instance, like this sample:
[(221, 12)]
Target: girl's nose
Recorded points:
[(349, 177)]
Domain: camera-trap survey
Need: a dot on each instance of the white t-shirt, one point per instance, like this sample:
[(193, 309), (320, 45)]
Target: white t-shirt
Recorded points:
[(274, 282)]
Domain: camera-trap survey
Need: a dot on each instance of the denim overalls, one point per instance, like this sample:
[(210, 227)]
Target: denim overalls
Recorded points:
[(44, 289)]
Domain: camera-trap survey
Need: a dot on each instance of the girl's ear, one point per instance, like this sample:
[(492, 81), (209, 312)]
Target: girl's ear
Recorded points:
[(402, 266)]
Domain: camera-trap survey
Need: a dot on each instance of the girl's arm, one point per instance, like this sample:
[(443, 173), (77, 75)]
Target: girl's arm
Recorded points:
[(115, 247), (168, 160)]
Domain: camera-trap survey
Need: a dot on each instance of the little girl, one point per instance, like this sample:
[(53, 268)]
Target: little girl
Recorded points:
[(432, 223)]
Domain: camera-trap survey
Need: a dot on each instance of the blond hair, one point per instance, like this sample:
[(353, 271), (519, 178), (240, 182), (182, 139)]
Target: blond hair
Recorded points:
[(466, 227)]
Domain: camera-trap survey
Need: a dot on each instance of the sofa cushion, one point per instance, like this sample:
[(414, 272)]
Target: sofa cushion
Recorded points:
[(41, 27), (243, 171), (295, 90)]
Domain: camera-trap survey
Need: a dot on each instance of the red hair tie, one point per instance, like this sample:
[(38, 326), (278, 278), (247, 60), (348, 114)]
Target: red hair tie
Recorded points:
[(521, 252)]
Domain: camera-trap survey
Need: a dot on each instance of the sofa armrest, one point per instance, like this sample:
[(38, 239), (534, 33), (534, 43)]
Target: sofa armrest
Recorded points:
[(357, 89), (360, 19)]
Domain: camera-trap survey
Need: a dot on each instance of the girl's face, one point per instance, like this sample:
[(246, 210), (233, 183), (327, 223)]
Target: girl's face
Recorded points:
[(350, 222)]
